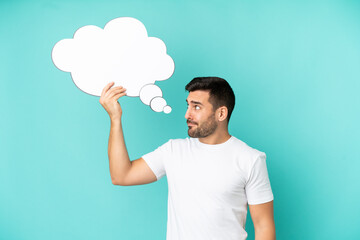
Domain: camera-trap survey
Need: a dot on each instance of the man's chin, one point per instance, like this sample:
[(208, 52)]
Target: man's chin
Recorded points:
[(191, 133)]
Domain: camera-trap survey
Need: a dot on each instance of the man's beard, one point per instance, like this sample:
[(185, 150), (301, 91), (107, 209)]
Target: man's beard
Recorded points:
[(205, 129)]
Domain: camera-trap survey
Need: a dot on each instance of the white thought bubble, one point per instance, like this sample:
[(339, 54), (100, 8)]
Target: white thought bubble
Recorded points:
[(121, 53)]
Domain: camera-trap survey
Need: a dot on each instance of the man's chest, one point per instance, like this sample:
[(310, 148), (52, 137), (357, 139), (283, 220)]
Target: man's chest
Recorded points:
[(210, 175)]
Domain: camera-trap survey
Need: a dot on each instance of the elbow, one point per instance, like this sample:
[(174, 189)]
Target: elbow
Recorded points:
[(268, 231), (114, 182), (117, 182)]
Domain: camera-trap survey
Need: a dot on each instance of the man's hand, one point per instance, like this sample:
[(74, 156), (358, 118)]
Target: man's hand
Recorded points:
[(109, 101)]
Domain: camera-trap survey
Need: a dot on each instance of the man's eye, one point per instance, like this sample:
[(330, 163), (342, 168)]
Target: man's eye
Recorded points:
[(197, 107)]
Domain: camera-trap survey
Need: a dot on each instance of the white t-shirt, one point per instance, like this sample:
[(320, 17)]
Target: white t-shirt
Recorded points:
[(210, 187)]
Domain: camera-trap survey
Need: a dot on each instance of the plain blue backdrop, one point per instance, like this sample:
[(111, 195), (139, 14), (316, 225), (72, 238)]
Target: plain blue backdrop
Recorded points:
[(294, 67)]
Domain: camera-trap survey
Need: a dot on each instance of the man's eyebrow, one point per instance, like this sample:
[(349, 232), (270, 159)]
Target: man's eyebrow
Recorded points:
[(194, 102)]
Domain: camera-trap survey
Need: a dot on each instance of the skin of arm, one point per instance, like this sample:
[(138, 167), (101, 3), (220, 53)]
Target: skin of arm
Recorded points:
[(262, 216), (119, 161)]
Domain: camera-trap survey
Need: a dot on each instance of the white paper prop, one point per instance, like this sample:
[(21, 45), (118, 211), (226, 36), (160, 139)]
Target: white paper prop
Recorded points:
[(122, 53)]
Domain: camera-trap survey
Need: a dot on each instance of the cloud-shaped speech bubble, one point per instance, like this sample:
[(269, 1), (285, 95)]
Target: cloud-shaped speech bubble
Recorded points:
[(122, 53)]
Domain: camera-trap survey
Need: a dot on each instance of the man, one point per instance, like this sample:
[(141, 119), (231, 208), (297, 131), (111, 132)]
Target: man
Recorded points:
[(212, 176)]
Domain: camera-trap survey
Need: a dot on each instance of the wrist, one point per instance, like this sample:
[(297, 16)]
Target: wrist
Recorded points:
[(115, 120)]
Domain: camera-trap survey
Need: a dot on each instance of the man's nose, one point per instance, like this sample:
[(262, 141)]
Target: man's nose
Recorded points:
[(187, 114)]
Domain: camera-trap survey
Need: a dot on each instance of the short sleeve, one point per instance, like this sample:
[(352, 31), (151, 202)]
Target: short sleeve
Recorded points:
[(155, 159), (258, 188)]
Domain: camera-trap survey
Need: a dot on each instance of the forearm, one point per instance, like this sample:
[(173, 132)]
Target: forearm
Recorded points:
[(119, 161), (267, 233)]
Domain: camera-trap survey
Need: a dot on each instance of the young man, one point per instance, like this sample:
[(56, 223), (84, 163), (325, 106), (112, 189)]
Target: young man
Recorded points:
[(212, 176)]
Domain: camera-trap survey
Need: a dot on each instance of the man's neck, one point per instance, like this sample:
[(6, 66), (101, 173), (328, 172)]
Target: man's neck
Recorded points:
[(216, 138)]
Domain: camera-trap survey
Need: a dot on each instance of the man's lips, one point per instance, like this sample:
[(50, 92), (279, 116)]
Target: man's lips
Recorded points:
[(190, 124)]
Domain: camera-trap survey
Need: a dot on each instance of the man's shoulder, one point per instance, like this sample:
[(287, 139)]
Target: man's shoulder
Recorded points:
[(246, 155), (179, 141), (245, 149), (175, 141), (177, 144)]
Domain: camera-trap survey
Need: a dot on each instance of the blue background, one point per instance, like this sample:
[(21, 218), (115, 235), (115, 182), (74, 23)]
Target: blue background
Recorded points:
[(294, 67)]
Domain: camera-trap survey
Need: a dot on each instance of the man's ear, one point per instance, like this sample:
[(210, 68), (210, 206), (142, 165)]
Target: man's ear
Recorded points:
[(222, 113)]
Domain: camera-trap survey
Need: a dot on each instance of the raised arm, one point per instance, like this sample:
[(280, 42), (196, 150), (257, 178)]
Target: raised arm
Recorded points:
[(122, 170)]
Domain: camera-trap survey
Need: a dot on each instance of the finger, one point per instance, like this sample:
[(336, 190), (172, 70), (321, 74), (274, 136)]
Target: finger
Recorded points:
[(119, 95), (115, 91), (112, 90), (106, 88), (109, 94)]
